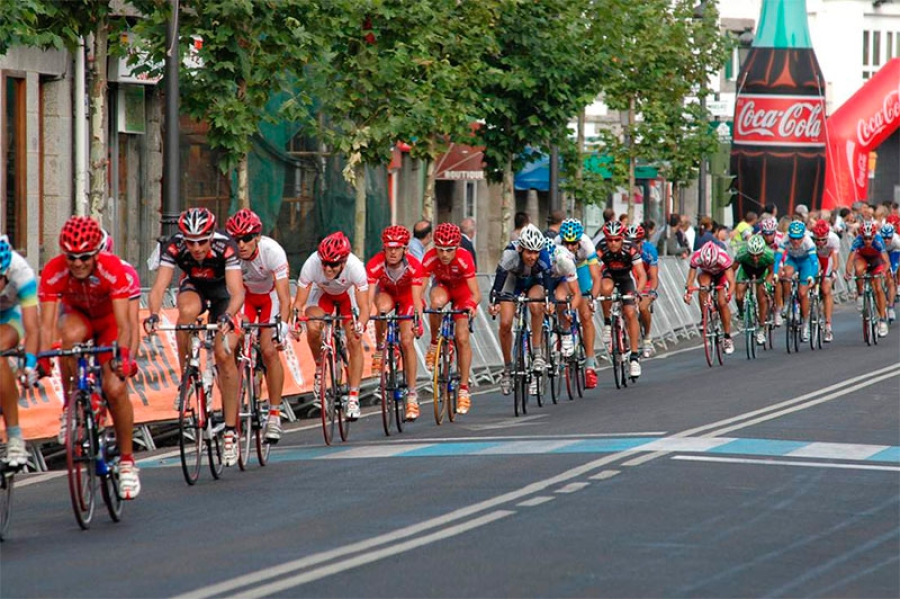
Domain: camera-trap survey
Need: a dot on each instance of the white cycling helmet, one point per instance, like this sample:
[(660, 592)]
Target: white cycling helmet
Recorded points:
[(531, 238)]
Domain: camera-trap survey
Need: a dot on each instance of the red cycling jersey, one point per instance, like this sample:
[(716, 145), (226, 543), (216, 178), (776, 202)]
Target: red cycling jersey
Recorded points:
[(396, 282), (460, 269), (93, 295)]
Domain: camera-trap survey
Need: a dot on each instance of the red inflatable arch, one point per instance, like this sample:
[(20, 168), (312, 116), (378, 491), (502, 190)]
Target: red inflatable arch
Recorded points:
[(857, 128)]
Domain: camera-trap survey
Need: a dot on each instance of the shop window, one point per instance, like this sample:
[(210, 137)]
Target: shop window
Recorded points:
[(13, 146)]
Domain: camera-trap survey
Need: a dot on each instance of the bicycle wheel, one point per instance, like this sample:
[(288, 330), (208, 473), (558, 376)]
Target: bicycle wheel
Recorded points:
[(437, 381), (813, 321), (796, 325), (328, 397), (245, 417), (616, 354), (520, 378), (873, 320), (399, 391), (750, 326), (190, 433), (81, 448), (109, 483), (214, 446), (720, 337), (451, 376), (708, 341), (340, 385), (552, 356), (7, 483), (388, 387), (624, 353)]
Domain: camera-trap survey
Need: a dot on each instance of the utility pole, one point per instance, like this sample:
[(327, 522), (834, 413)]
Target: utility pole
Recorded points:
[(171, 207)]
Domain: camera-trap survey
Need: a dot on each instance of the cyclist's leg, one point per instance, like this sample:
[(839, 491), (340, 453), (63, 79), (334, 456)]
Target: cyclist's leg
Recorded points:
[(226, 365), (809, 270), (408, 345), (625, 286), (537, 318), (10, 332), (704, 279), (189, 303), (504, 332), (384, 303), (440, 295), (607, 286), (762, 301), (317, 304), (877, 268), (73, 327)]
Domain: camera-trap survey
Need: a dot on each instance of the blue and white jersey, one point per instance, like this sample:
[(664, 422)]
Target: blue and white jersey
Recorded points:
[(562, 264), (649, 254), (585, 254), (21, 286), (511, 264), (805, 251)]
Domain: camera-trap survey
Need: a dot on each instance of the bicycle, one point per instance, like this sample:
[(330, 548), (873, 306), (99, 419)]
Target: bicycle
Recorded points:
[(751, 317), (619, 351), (816, 320), (393, 376), (870, 309), (253, 411), (333, 364), (197, 429), (770, 318), (553, 354), (794, 321), (91, 452), (572, 366), (445, 370), (523, 354), (7, 473), (711, 324)]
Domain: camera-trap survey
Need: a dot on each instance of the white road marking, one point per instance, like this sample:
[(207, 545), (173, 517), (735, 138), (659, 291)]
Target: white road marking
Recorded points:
[(604, 475), (572, 487), (540, 499), (373, 451), (767, 462), (527, 447), (836, 451)]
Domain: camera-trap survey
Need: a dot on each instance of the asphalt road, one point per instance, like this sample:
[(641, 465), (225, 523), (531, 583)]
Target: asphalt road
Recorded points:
[(777, 477)]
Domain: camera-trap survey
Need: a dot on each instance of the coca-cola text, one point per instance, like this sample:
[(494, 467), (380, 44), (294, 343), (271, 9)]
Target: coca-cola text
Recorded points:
[(781, 120)]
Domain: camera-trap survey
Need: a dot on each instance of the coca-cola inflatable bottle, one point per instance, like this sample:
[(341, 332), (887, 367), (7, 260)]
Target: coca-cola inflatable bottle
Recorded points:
[(778, 145)]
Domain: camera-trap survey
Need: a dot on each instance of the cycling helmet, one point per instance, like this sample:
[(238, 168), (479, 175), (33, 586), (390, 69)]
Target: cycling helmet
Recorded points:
[(571, 230), (893, 219), (243, 222), (796, 230), (531, 238), (821, 229), (395, 236), (5, 255), (756, 245), (635, 231), (197, 223), (613, 230), (106, 241), (80, 235), (709, 255), (334, 248), (768, 226), (867, 230), (447, 235), (887, 230)]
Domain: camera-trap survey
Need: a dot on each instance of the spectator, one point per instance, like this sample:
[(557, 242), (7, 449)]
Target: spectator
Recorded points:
[(744, 228), (801, 213), (467, 226), (895, 208), (421, 239), (623, 218), (705, 233), (519, 222), (608, 215), (722, 233), (772, 209), (554, 220), (687, 229), (668, 244)]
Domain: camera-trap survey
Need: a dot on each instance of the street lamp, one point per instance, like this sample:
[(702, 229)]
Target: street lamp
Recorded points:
[(699, 15)]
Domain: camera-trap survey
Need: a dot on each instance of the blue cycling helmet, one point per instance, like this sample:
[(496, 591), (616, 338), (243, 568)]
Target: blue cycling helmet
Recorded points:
[(571, 230), (797, 230), (887, 230), (5, 255), (550, 245)]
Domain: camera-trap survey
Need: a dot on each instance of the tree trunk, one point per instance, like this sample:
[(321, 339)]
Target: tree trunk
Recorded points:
[(507, 206), (359, 232), (631, 159), (99, 154), (243, 175), (579, 157), (428, 202)]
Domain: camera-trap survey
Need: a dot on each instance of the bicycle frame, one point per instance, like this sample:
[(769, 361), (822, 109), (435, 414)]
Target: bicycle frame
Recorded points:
[(252, 411), (711, 320), (445, 374), (619, 350), (393, 380)]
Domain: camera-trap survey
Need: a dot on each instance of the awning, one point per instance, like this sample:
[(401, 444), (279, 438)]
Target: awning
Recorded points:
[(460, 163), (536, 175)]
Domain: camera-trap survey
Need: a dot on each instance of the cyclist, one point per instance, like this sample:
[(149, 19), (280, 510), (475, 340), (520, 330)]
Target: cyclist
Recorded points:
[(93, 291), (564, 284), (623, 271), (755, 260), (573, 238), (267, 295), (18, 324), (799, 257), (868, 255), (828, 247), (324, 285), (524, 267), (134, 300), (711, 267), (396, 278), (768, 228), (211, 271), (453, 270), (892, 245), (650, 257)]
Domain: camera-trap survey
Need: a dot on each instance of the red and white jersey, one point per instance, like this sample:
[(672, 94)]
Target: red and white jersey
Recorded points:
[(724, 263), (93, 295), (352, 275), (270, 264), (397, 280), (777, 240), (832, 245), (134, 280), (460, 269)]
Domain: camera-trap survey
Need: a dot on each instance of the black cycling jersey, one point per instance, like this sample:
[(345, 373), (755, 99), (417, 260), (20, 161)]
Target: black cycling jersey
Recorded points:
[(618, 263), (208, 272)]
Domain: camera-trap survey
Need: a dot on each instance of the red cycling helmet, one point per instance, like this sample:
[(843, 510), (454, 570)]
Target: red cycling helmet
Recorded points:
[(334, 248), (196, 223), (893, 219), (613, 230), (395, 236), (447, 235), (868, 229), (821, 229), (80, 235), (243, 222), (106, 242), (635, 231)]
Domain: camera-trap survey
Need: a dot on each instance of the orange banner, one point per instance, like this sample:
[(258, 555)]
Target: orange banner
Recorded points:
[(153, 390)]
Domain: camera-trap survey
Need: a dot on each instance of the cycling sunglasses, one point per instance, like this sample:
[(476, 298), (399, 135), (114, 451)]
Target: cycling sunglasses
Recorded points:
[(84, 257), (246, 238), (197, 241), (327, 264)]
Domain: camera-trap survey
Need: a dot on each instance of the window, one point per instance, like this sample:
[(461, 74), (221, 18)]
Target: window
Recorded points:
[(471, 199), (13, 150), (876, 48)]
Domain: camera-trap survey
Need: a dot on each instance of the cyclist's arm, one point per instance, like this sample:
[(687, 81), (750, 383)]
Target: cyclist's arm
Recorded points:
[(122, 314), (851, 258), (640, 276), (160, 284), (31, 323), (652, 277), (283, 292), (692, 274), (472, 282), (417, 292), (48, 333), (729, 278), (362, 301), (234, 281), (301, 297), (596, 278)]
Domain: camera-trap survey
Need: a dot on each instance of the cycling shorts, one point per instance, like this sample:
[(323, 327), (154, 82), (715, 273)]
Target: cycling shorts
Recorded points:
[(827, 266), (745, 273), (344, 303), (624, 284), (266, 305), (874, 266), (460, 298), (804, 268), (216, 296), (13, 317), (585, 281), (103, 330), (895, 260), (405, 300), (519, 285)]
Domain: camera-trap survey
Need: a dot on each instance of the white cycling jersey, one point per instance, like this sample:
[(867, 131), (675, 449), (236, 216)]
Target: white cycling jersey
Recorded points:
[(269, 264), (807, 247), (832, 245), (586, 252), (353, 275), (21, 286), (563, 264)]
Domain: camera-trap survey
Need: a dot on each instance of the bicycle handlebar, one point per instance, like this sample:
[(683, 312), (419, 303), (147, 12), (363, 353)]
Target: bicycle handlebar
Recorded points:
[(188, 327), (614, 297), (80, 349)]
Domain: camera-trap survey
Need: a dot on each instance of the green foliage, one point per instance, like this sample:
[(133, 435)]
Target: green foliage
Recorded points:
[(49, 23)]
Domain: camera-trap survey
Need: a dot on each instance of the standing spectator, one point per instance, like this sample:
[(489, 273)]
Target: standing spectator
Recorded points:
[(722, 233), (520, 221), (553, 222), (687, 229), (668, 244), (421, 239), (772, 210), (467, 226), (608, 215), (623, 218), (706, 234), (744, 228), (801, 213)]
